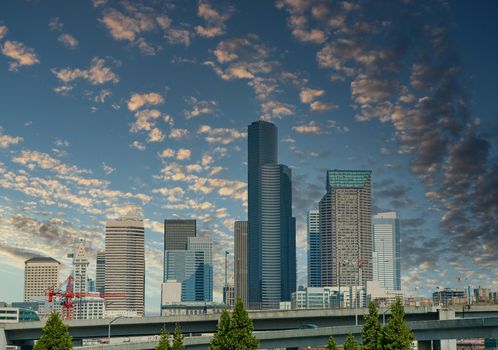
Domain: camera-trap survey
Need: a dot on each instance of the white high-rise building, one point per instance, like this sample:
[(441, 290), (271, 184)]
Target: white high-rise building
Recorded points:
[(125, 267), (313, 228), (41, 274), (386, 246)]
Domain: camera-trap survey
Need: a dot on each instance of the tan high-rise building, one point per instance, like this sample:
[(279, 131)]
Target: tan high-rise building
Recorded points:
[(240, 234), (125, 267), (41, 274)]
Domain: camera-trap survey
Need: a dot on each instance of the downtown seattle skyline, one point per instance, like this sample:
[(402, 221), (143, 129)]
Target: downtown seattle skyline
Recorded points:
[(107, 107)]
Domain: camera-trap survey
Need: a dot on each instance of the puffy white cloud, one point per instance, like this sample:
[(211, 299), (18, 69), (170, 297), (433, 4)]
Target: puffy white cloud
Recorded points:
[(144, 120), (108, 170), (199, 107), (167, 153), (155, 135), (174, 194), (183, 154), (275, 109), (220, 135), (215, 19), (309, 128), (97, 74), (138, 145), (3, 31), (309, 95), (206, 159), (322, 106), (137, 101), (178, 133), (34, 159), (7, 140), (20, 54), (68, 40), (123, 27), (178, 36)]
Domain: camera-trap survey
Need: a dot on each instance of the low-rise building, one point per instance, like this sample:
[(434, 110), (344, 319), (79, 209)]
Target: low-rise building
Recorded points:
[(192, 308), (16, 315), (328, 297), (381, 296)]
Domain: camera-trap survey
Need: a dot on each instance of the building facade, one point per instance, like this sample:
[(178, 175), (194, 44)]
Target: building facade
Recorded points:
[(313, 230), (177, 233), (386, 246), (100, 273), (240, 260), (271, 227), (346, 229), (41, 274), (193, 268), (125, 267)]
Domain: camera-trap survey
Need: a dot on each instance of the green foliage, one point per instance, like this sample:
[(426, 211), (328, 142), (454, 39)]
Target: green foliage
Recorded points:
[(177, 339), (350, 343), (234, 333), (241, 328), (331, 345), (396, 334), (164, 341), (371, 332), (221, 339), (55, 335)]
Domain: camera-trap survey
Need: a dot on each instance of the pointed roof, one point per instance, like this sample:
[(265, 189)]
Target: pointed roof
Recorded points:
[(80, 256)]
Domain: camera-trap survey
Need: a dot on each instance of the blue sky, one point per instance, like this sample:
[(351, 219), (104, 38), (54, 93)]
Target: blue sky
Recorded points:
[(107, 107)]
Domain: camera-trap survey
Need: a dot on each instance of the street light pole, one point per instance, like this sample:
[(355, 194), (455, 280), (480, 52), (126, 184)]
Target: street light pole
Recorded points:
[(109, 329)]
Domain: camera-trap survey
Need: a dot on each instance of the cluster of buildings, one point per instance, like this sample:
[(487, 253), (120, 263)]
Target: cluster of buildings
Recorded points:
[(353, 255)]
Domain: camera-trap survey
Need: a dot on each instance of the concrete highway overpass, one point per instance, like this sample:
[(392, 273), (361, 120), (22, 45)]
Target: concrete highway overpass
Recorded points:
[(424, 331), (281, 320)]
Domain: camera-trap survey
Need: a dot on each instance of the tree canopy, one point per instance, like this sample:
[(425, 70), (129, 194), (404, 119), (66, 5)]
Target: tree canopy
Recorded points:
[(55, 335)]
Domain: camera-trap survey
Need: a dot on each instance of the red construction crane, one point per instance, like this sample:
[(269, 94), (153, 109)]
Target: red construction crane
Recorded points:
[(68, 295)]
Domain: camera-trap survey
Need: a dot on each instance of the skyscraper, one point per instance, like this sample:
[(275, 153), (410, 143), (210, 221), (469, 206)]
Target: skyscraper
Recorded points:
[(271, 227), (240, 260), (177, 232), (125, 267), (346, 229), (100, 273), (80, 266), (313, 228), (193, 268), (386, 245), (41, 274)]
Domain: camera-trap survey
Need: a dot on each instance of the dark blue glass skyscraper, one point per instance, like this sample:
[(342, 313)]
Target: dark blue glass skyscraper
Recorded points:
[(271, 227)]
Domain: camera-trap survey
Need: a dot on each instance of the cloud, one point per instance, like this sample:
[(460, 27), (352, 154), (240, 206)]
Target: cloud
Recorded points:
[(183, 154), (145, 120), (155, 135), (20, 54), (122, 27), (309, 95), (178, 36), (3, 31), (173, 195), (7, 140), (137, 101), (275, 109), (97, 74), (220, 135), (35, 159), (309, 128), (68, 40), (322, 106), (108, 170), (215, 19), (178, 133), (138, 145), (199, 107)]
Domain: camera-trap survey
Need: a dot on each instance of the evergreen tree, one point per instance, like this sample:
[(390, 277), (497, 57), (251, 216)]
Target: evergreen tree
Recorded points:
[(177, 339), (350, 343), (331, 345), (371, 332), (221, 339), (241, 328), (55, 335), (397, 335), (164, 341)]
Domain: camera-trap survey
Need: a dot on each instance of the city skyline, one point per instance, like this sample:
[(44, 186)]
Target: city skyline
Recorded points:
[(107, 107)]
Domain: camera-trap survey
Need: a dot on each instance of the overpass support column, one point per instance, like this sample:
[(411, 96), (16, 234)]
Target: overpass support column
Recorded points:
[(447, 344), (424, 345), (3, 339)]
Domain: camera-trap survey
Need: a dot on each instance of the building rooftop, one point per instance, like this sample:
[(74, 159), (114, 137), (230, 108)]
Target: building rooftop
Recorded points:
[(347, 178), (41, 259)]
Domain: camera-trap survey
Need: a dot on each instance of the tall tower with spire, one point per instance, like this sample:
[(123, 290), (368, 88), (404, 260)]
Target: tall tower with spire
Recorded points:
[(80, 265)]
